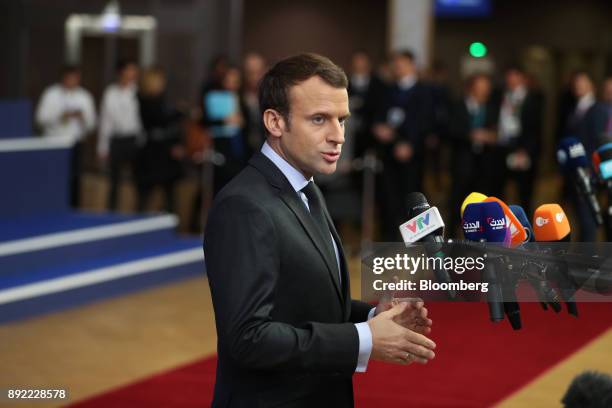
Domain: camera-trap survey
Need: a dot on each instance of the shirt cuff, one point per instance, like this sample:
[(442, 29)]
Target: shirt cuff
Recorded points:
[(371, 313), (365, 346)]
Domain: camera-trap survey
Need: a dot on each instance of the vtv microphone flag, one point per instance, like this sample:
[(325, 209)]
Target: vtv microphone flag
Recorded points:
[(422, 225)]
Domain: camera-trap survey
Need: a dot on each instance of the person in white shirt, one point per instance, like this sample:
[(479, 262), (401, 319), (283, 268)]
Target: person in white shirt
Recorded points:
[(67, 110), (120, 131)]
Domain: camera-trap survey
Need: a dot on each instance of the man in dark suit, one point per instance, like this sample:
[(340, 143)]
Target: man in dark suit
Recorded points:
[(519, 137), (289, 334), (597, 129), (471, 134), (402, 123), (365, 91)]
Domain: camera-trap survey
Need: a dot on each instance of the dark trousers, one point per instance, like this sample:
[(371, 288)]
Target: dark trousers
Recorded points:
[(144, 193), (123, 152), (468, 175), (75, 174), (396, 181), (500, 175), (587, 226)]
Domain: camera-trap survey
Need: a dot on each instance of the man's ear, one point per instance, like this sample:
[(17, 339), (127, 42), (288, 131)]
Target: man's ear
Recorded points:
[(274, 122)]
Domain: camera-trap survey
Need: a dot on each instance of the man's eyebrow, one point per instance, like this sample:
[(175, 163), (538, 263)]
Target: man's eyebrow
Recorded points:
[(327, 115)]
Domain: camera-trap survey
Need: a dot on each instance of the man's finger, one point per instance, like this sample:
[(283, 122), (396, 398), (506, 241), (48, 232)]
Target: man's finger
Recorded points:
[(419, 339), (419, 351), (396, 310)]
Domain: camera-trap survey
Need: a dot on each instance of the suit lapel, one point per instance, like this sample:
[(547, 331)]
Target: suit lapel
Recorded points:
[(295, 204), (343, 265)]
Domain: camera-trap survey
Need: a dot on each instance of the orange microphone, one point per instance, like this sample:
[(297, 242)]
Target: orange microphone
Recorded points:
[(518, 234), (550, 224)]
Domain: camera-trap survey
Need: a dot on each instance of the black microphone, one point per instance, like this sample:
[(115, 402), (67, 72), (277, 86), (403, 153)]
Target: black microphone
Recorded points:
[(536, 272), (426, 225), (551, 225), (572, 158), (486, 222)]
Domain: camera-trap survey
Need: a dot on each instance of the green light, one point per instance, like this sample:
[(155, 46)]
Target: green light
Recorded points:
[(478, 50)]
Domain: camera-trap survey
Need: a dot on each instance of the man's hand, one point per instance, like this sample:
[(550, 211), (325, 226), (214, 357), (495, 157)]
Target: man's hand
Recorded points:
[(414, 316), (482, 136), (403, 151), (393, 343), (384, 133)]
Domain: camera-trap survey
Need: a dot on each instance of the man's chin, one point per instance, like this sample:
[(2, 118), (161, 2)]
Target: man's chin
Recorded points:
[(328, 169)]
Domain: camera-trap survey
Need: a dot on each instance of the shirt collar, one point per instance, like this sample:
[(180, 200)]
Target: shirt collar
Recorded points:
[(585, 102), (471, 104), (407, 82), (519, 93), (295, 177)]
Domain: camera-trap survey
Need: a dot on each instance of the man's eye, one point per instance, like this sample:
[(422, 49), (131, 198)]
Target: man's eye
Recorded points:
[(318, 120)]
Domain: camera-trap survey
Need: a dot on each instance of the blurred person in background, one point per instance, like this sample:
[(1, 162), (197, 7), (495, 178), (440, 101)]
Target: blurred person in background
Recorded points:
[(217, 68), (400, 128), (120, 132), (598, 126), (253, 68), (576, 126), (584, 95), (366, 92), (565, 105), (519, 137), (442, 100), (343, 188), (473, 121), (159, 159), (67, 110), (224, 115)]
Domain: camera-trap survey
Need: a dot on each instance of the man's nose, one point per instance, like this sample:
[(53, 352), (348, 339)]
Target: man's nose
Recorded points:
[(337, 133)]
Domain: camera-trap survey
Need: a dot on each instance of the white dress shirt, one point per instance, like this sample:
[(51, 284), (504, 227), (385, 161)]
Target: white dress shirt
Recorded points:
[(55, 101), (510, 115), (298, 182), (119, 115), (407, 82), (584, 104)]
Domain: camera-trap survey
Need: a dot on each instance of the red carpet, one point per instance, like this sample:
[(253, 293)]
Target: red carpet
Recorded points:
[(477, 363)]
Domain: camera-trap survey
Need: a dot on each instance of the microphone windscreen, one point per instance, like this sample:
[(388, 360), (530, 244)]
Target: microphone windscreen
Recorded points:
[(484, 221), (550, 223), (495, 227), (571, 154), (473, 229), (417, 203), (517, 232), (521, 216), (604, 167), (473, 197)]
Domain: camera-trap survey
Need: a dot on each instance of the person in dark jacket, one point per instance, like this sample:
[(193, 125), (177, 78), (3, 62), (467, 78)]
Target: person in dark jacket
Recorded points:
[(400, 128), (224, 116), (159, 160), (473, 121), (577, 125), (366, 91), (519, 137)]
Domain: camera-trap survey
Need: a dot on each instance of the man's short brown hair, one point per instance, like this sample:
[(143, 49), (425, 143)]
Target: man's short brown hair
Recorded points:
[(274, 86)]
